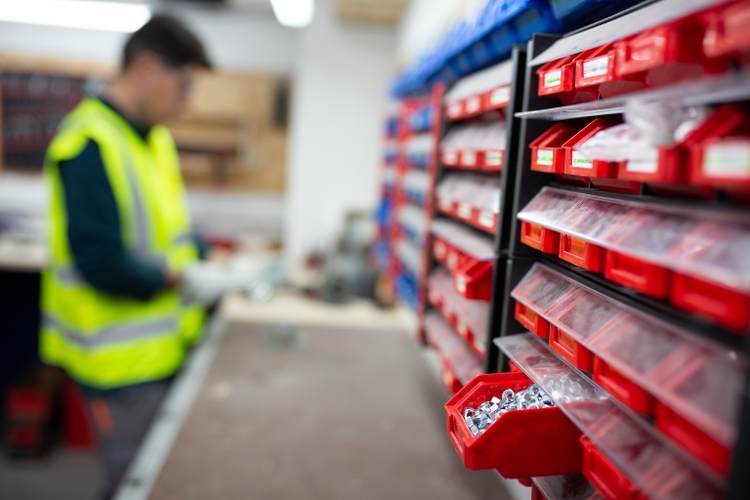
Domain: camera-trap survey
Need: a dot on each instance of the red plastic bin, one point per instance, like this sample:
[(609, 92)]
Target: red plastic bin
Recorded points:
[(520, 444), (595, 71), (727, 307), (531, 320), (708, 376), (557, 78), (581, 253), (449, 379), (606, 476), (644, 277), (664, 54), (623, 388), (547, 154), (577, 164), (569, 349), (474, 279), (727, 33), (541, 238)]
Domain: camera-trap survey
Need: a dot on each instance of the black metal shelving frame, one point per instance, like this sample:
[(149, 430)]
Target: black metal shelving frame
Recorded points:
[(537, 116)]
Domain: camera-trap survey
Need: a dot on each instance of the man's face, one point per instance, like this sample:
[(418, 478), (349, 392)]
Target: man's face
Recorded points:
[(164, 89)]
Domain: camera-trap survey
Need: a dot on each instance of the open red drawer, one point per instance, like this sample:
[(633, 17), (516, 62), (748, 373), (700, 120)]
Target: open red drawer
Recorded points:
[(521, 443), (547, 154), (474, 279), (727, 307), (541, 238), (644, 277), (581, 253), (606, 476), (727, 33)]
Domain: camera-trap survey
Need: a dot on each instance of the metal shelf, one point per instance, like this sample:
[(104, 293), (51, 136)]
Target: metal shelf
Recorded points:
[(729, 87), (593, 410)]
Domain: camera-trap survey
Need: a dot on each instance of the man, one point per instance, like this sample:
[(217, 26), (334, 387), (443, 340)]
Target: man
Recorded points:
[(120, 241)]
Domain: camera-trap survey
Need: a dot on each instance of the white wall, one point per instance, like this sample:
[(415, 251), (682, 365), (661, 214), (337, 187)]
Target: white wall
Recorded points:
[(337, 117), (234, 40)]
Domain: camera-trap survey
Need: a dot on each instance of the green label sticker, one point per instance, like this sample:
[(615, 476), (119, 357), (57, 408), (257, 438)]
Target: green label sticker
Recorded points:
[(553, 78), (729, 158), (580, 161), (544, 157), (493, 158)]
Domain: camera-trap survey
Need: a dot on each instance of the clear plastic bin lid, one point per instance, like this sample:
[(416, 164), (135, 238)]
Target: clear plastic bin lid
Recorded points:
[(473, 314), (631, 443), (490, 136), (709, 245), (465, 364), (410, 256), (475, 190), (470, 242), (413, 218), (653, 354)]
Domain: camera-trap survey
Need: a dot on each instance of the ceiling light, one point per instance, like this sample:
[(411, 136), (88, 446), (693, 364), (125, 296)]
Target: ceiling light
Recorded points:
[(104, 16), (294, 13)]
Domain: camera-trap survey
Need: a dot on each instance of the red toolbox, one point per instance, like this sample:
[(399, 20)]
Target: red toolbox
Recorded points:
[(547, 153), (703, 409), (474, 279), (541, 238), (727, 34), (521, 443)]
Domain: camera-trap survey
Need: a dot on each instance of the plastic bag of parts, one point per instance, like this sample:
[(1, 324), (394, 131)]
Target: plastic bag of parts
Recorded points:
[(476, 136), (646, 126)]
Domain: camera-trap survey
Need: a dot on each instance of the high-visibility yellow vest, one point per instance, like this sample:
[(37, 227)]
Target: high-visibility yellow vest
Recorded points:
[(103, 340)]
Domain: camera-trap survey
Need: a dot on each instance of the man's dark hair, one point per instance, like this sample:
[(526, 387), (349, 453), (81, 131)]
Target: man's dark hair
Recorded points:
[(169, 38)]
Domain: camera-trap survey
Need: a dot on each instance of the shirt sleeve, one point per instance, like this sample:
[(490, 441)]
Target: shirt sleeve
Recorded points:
[(94, 231)]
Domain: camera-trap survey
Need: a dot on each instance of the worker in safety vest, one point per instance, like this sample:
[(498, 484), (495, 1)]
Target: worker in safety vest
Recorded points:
[(120, 308)]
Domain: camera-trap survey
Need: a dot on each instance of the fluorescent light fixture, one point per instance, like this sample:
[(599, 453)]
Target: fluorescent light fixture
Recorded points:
[(294, 13), (95, 15)]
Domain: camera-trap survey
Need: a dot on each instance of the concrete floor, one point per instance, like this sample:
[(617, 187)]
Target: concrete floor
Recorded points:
[(318, 414), (64, 475)]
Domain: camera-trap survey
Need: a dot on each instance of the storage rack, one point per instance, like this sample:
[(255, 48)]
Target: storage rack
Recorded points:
[(617, 399), (685, 448)]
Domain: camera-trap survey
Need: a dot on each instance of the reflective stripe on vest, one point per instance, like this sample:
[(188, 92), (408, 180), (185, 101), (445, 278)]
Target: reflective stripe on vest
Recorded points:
[(114, 334)]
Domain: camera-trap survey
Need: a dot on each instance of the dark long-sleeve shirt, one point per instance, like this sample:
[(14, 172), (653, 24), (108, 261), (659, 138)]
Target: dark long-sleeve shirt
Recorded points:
[(94, 232)]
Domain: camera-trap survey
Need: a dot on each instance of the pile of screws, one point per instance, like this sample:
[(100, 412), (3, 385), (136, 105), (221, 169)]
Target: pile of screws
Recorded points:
[(480, 418)]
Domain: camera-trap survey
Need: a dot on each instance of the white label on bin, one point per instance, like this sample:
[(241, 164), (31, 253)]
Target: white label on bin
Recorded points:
[(464, 210), (479, 344), (461, 284), (450, 157), (469, 158), (643, 160), (461, 327), (445, 203), (596, 67), (729, 158), (473, 104), (500, 96), (580, 161), (544, 157), (553, 78), (486, 219), (454, 109), (493, 158), (452, 260)]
